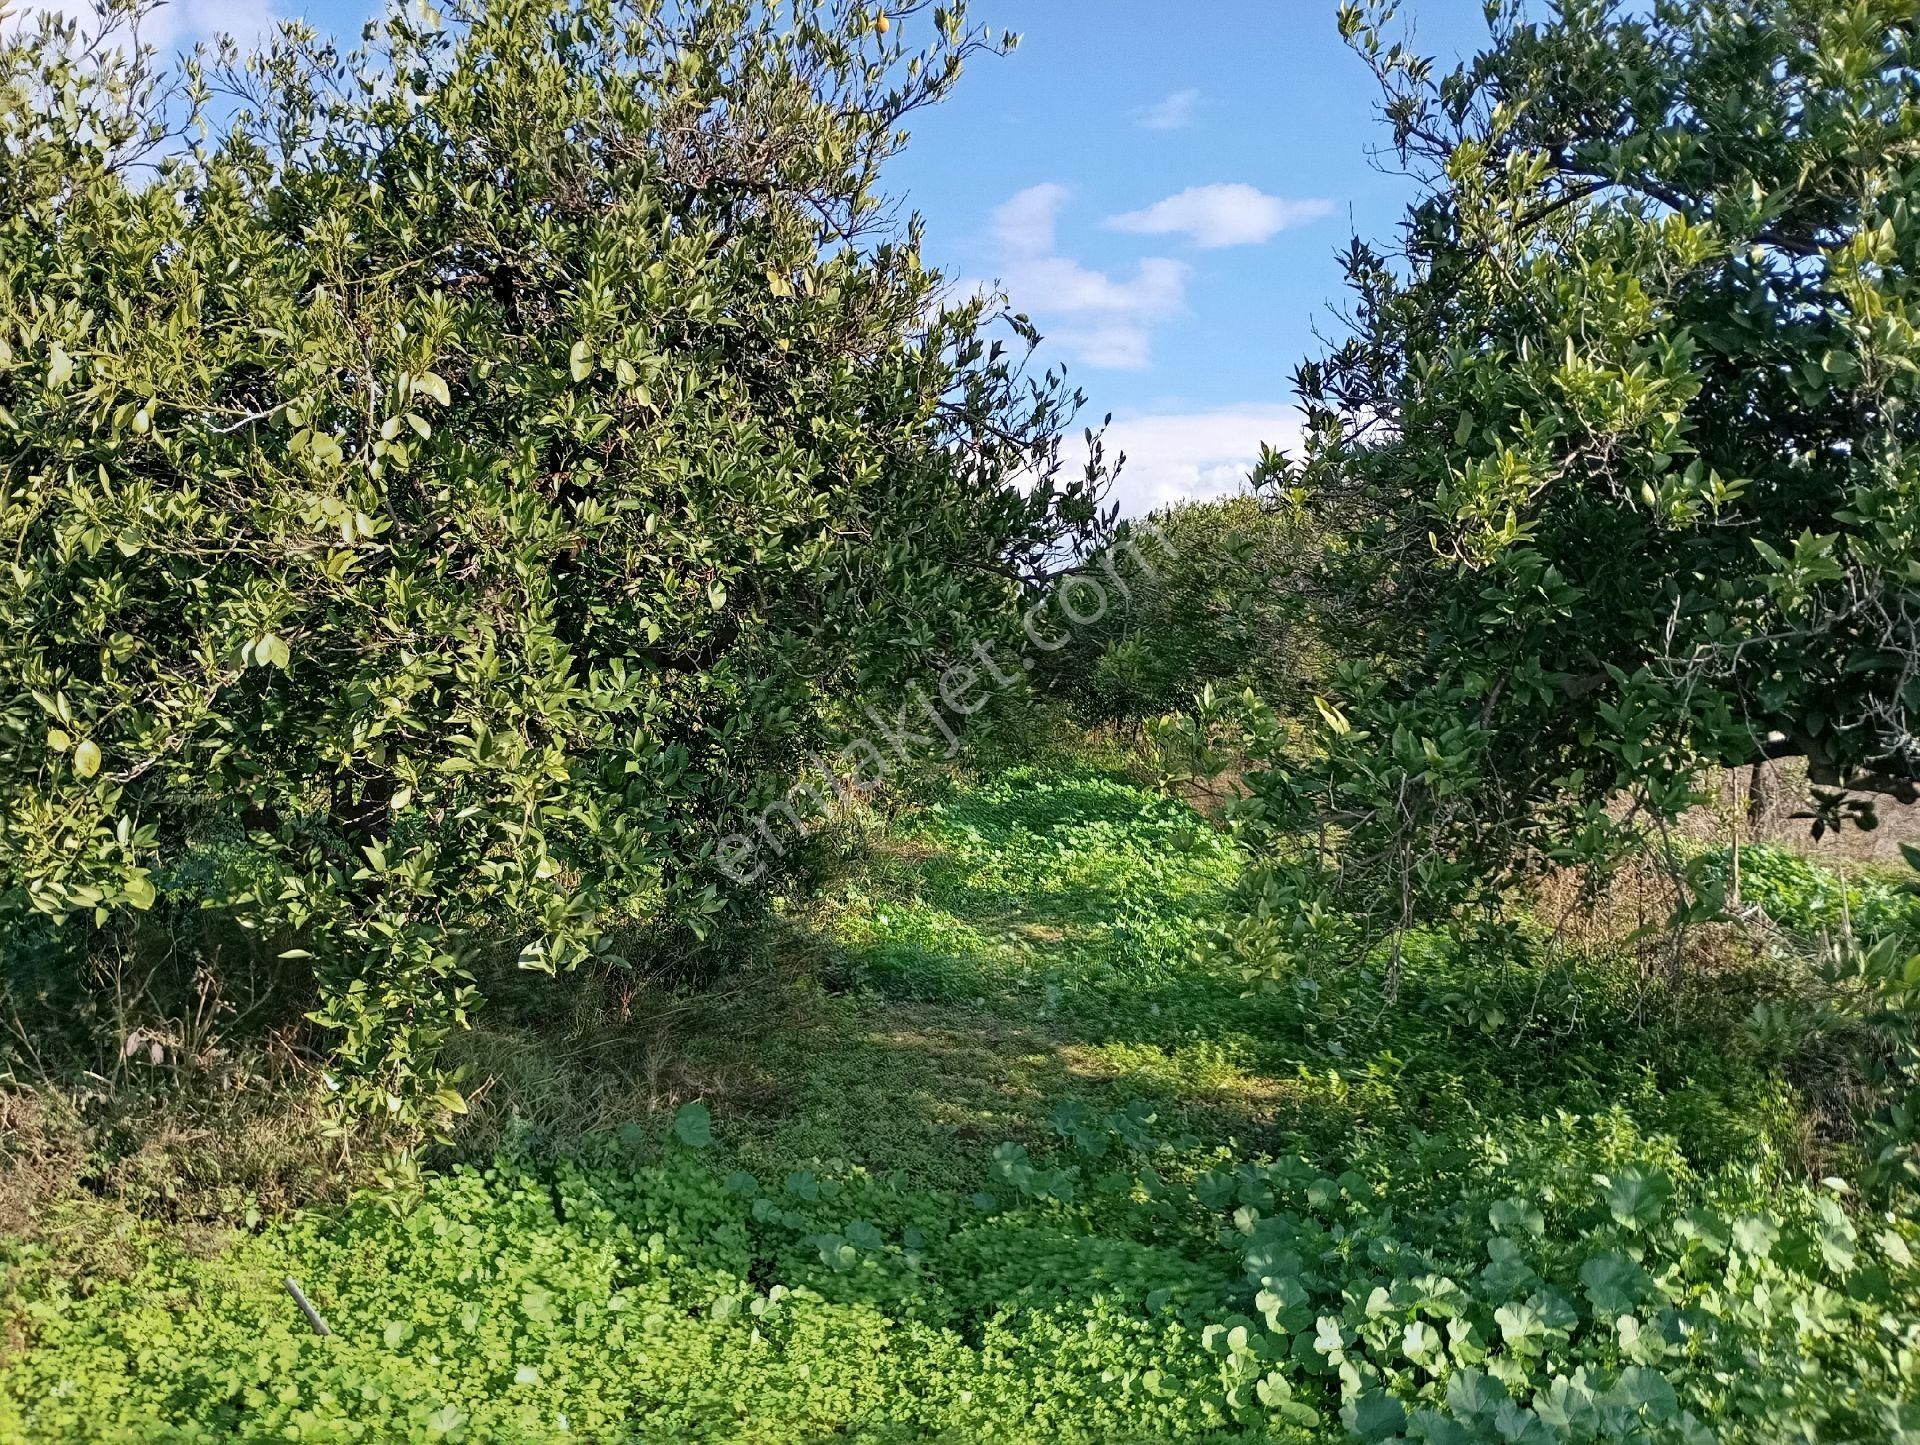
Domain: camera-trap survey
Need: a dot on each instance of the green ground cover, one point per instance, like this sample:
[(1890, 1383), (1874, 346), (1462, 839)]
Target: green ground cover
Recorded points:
[(1017, 1157)]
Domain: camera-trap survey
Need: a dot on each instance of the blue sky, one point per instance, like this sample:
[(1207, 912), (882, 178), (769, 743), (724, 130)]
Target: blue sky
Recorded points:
[(1162, 184), (1165, 187)]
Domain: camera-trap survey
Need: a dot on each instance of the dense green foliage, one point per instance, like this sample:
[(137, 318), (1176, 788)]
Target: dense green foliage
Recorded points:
[(1808, 900), (1522, 1298), (456, 484), (462, 484), (1851, 942), (1200, 593), (1463, 1252), (1618, 466)]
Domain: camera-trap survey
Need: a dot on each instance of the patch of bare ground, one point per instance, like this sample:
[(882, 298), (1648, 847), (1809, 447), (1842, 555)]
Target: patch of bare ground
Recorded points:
[(1771, 803)]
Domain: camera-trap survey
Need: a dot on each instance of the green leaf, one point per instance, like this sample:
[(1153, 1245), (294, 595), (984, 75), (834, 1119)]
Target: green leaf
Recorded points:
[(1568, 1404), (536, 1303), (1517, 1215), (1507, 1272), (1473, 1395), (1755, 1235), (693, 1125), (1522, 1328), (1612, 1281), (1420, 1342), (1636, 1196), (1706, 1230), (1647, 1389), (1375, 1416)]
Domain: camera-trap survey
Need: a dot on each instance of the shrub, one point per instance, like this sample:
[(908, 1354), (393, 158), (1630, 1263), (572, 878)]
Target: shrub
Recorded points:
[(450, 483), (1202, 592), (1618, 460)]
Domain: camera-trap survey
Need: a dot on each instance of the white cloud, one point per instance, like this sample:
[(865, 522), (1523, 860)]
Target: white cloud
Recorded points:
[(1097, 318), (1024, 224), (1173, 112), (1223, 215), (1196, 454), (247, 21), (1107, 345), (1060, 284)]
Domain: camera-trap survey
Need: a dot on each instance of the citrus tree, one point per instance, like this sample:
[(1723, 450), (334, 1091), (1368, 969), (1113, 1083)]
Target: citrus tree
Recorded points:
[(1619, 457), (1195, 594), (449, 484)]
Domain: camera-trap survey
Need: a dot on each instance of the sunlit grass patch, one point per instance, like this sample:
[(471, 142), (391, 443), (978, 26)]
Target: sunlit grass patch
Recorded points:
[(1008, 1150)]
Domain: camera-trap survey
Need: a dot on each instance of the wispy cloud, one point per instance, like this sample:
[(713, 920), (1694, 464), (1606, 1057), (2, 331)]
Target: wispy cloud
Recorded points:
[(1027, 223), (1172, 112), (1095, 317), (1193, 454), (247, 21), (1221, 215)]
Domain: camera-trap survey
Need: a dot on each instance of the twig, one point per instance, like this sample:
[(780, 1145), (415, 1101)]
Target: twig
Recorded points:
[(314, 1317)]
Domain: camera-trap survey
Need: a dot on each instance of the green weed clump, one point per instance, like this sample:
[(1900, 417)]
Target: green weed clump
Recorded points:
[(1567, 1280), (1808, 901)]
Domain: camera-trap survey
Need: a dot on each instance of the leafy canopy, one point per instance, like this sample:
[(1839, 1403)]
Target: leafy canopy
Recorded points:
[(1620, 457), (448, 484)]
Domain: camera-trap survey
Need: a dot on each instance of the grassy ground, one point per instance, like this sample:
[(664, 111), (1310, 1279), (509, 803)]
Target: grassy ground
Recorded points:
[(950, 989), (1043, 936), (997, 1144)]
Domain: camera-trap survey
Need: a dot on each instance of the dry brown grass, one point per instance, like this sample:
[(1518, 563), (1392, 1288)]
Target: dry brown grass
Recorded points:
[(138, 1082), (1630, 913), (182, 1150), (1769, 804)]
